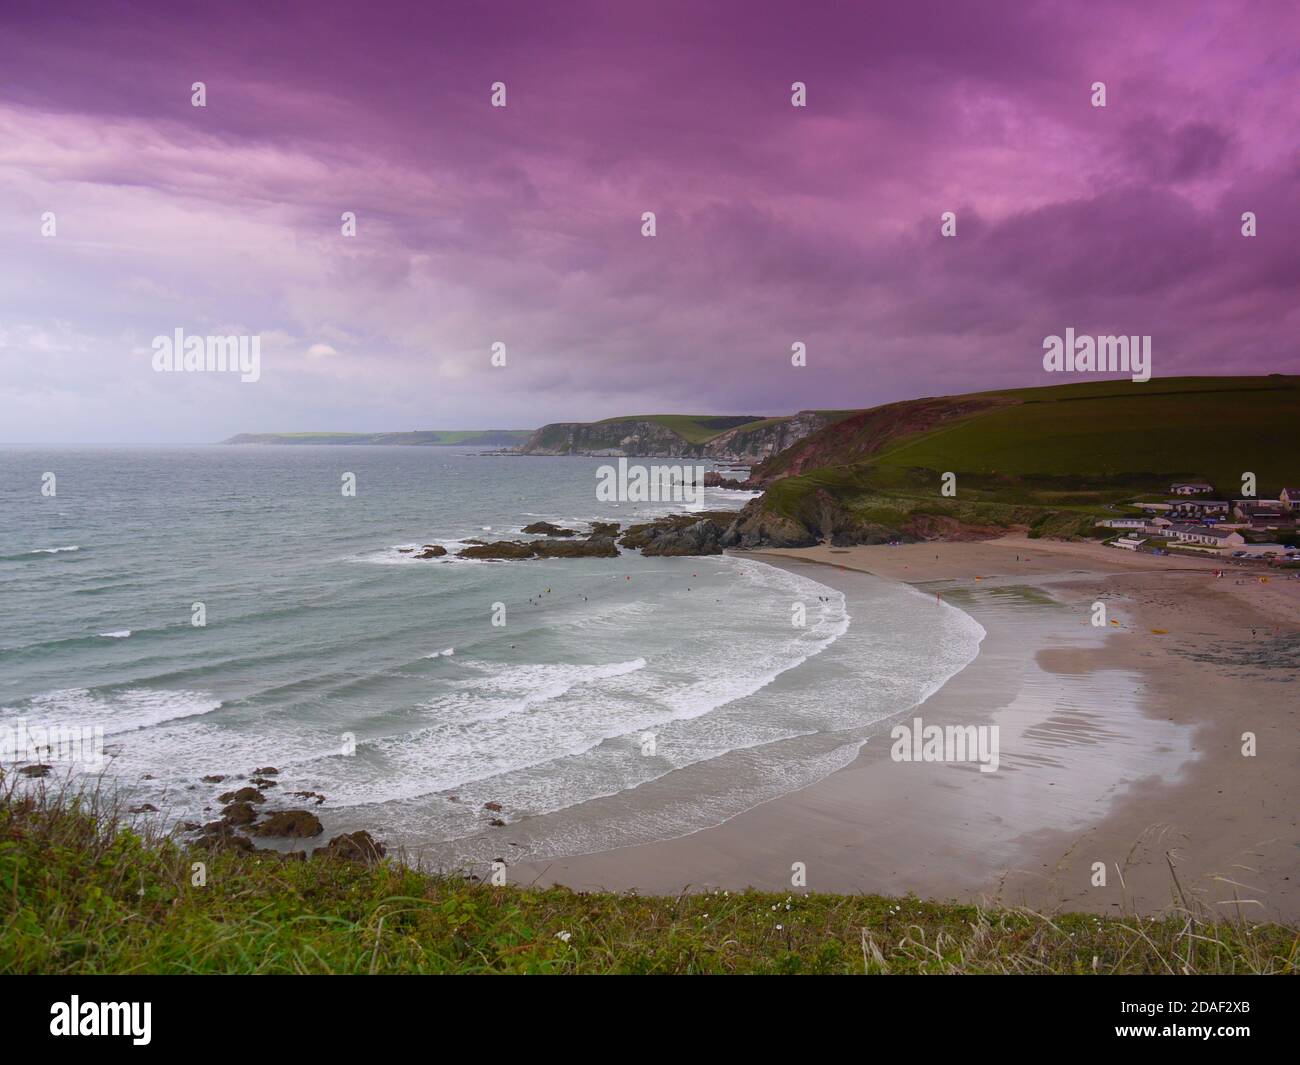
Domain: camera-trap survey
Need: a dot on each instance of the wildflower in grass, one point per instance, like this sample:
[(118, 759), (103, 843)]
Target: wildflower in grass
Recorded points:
[(563, 937)]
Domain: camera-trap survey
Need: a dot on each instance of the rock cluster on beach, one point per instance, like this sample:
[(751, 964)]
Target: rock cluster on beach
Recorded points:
[(243, 817), (817, 518), (560, 543)]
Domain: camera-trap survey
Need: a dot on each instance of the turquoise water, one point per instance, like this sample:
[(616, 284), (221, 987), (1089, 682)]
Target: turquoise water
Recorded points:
[(379, 680)]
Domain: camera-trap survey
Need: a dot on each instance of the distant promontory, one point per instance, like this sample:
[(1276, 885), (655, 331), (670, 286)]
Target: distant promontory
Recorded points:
[(418, 437)]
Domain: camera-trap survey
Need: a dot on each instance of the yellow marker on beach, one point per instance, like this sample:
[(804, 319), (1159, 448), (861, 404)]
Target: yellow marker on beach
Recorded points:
[(1161, 632)]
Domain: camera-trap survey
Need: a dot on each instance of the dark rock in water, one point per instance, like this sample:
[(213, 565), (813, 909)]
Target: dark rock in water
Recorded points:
[(143, 808), (310, 795), (35, 770), (501, 549), (495, 807), (704, 537), (545, 528), (603, 528), (266, 771), (216, 778), (239, 813), (217, 835), (716, 480), (290, 824), (354, 847), (593, 547), (405, 550), (681, 534), (242, 795), (432, 551), (189, 826), (496, 822)]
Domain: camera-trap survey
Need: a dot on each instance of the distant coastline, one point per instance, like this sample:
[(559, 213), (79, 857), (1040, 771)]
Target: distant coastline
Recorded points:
[(417, 437)]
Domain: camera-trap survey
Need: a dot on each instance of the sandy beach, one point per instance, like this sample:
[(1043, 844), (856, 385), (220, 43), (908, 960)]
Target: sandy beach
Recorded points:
[(1120, 745)]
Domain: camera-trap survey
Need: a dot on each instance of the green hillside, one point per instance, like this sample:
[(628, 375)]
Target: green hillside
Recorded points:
[(1046, 457), (1186, 428), (85, 893)]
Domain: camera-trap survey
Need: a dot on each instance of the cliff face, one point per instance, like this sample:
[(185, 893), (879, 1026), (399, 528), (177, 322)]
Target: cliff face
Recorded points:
[(630, 437), (753, 445), (640, 438)]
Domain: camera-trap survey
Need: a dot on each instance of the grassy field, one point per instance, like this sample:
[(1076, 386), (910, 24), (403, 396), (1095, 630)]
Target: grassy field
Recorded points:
[(1048, 458), (81, 893), (1170, 433)]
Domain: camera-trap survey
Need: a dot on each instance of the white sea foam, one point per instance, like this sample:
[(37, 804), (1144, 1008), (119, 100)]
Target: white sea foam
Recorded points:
[(115, 711), (120, 634)]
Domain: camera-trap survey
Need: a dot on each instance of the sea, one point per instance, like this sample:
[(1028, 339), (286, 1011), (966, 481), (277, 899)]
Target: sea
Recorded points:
[(597, 702)]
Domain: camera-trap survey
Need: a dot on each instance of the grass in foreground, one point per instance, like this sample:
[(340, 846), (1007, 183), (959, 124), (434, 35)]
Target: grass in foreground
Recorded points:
[(80, 892)]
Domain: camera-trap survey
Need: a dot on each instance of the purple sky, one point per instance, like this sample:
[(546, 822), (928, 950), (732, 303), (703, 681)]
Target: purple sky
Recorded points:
[(775, 224)]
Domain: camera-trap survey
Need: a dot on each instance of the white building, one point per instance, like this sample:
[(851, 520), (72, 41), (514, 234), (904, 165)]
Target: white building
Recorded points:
[(1197, 534), (1256, 550)]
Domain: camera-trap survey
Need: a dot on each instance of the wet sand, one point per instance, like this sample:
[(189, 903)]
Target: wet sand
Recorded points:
[(1120, 745)]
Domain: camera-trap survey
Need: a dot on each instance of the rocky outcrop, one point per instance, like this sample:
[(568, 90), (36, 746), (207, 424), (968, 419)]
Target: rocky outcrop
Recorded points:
[(545, 528), (691, 535), (354, 847), (756, 527), (592, 547), (502, 549), (431, 551), (242, 795), (290, 824), (814, 519), (713, 479), (817, 519), (739, 439), (239, 813), (681, 534), (217, 835)]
